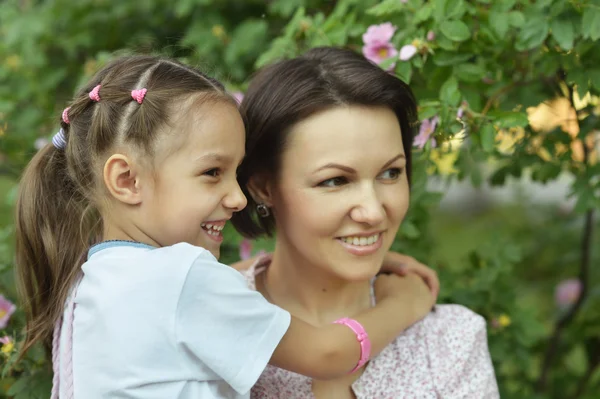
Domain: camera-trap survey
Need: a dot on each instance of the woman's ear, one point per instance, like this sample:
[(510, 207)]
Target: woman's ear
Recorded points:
[(260, 188)]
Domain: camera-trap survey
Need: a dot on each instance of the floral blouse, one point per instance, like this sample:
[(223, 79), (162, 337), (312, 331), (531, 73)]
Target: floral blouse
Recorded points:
[(443, 356)]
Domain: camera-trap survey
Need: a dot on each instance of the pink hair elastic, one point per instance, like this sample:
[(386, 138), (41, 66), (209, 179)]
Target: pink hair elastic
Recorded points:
[(95, 93), (363, 339), (138, 95), (65, 115)]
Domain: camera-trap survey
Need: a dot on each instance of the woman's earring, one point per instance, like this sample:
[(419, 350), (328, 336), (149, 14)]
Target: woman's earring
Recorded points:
[(263, 210)]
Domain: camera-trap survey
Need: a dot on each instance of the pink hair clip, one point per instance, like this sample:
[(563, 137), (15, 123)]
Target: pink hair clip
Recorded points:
[(138, 95), (95, 93), (65, 115)]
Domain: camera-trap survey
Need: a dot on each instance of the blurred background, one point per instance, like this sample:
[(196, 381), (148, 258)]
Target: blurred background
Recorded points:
[(506, 187)]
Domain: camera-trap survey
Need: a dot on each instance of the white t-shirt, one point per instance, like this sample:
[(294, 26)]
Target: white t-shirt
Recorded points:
[(167, 323)]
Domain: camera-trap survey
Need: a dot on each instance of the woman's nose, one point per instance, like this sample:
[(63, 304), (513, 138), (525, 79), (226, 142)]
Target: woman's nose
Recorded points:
[(369, 209)]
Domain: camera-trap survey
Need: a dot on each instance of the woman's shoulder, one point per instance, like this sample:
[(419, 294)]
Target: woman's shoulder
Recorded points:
[(448, 330), (454, 342), (454, 319)]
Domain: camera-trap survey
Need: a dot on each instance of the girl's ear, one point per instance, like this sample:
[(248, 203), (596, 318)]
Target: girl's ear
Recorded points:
[(122, 179)]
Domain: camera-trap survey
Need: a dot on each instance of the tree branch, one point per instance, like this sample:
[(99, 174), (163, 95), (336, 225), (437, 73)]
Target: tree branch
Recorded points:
[(584, 271)]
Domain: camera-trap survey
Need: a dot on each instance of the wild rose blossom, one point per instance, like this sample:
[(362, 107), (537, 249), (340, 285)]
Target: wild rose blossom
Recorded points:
[(425, 132), (567, 292), (407, 52), (7, 308), (377, 46)]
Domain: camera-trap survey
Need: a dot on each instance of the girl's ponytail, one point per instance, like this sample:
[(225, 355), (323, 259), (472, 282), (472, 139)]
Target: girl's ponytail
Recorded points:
[(50, 246)]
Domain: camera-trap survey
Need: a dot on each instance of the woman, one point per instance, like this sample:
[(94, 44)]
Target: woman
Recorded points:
[(327, 171)]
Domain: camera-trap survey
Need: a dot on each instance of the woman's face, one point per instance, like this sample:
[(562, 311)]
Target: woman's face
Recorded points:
[(342, 190)]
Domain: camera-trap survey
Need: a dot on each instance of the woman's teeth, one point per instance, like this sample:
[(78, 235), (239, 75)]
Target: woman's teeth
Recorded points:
[(361, 241), (212, 229)]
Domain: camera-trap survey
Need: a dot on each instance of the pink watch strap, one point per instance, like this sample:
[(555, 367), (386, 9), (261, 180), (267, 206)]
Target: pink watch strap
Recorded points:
[(362, 337)]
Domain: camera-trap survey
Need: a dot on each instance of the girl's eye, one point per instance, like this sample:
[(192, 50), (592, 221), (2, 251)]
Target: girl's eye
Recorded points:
[(334, 182), (391, 174), (215, 172)]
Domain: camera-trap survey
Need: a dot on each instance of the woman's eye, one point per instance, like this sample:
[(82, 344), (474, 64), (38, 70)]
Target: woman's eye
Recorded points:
[(334, 182), (215, 172), (391, 174)]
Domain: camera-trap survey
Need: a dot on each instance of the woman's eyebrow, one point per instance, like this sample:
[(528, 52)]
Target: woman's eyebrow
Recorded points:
[(391, 161), (346, 169)]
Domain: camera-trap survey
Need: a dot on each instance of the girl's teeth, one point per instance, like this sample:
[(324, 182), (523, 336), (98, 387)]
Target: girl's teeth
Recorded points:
[(361, 241), (210, 227)]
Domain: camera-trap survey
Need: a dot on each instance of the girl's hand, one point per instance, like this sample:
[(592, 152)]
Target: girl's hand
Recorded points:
[(403, 264)]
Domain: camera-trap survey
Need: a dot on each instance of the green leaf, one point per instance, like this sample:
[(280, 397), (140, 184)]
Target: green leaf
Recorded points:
[(427, 112), (455, 8), (404, 71), (439, 10), (498, 21), (449, 92), (516, 19), (564, 33), (386, 7), (423, 13), (594, 75), (546, 172), (457, 31), (581, 80), (590, 23), (488, 137), (509, 119), (18, 386), (469, 72), (444, 58), (532, 34), (409, 230), (388, 62)]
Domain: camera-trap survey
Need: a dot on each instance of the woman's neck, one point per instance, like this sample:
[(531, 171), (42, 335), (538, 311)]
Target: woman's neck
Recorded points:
[(310, 292)]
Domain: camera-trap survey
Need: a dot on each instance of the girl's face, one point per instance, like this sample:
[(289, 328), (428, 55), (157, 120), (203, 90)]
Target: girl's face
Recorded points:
[(195, 190), (342, 191)]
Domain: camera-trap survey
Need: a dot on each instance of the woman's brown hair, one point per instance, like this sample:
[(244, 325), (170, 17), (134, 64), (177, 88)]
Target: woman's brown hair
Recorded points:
[(57, 212), (285, 93)]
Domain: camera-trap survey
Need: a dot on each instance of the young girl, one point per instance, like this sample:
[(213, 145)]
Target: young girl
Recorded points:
[(118, 229)]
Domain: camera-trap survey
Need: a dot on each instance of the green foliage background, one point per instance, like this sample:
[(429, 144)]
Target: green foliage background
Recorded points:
[(494, 59)]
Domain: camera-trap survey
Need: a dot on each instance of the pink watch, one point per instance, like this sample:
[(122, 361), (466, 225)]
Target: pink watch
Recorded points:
[(363, 340)]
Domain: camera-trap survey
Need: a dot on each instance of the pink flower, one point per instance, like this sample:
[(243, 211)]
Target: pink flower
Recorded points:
[(377, 46), (379, 34), (239, 96), (431, 35), (6, 340), (407, 52), (380, 53), (567, 292), (245, 249), (7, 308), (425, 131)]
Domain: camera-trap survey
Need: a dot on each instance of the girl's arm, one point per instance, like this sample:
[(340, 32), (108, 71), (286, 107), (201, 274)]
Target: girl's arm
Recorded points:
[(332, 351)]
